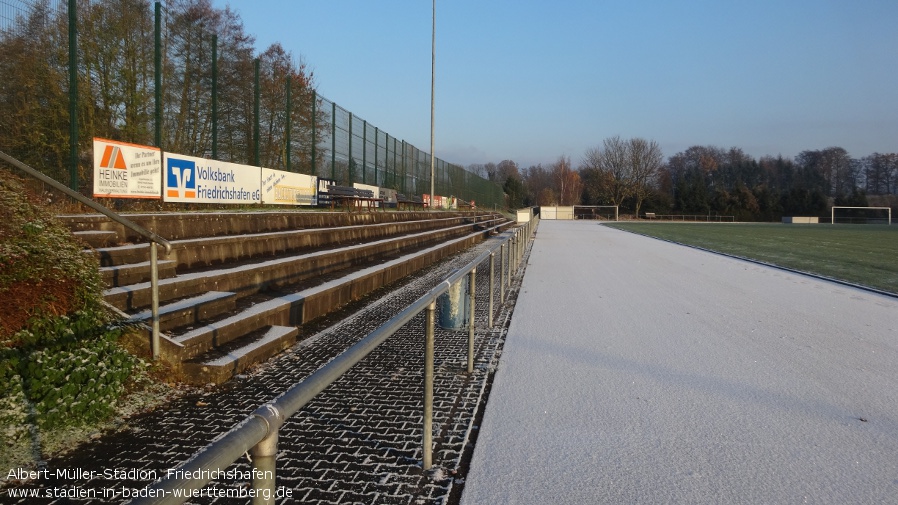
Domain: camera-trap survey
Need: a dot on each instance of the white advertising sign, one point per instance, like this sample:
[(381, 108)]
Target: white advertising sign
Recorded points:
[(197, 180), (288, 188), (123, 170), (389, 196)]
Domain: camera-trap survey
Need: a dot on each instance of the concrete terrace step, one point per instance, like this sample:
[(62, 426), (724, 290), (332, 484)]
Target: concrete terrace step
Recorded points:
[(254, 277), (255, 348), (297, 308), (199, 252), (237, 285), (133, 273), (190, 310), (188, 225), (96, 238)]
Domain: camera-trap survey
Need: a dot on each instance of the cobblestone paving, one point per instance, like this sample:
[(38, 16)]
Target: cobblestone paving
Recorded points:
[(358, 442)]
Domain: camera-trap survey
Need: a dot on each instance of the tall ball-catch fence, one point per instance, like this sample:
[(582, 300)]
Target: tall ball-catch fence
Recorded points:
[(184, 77)]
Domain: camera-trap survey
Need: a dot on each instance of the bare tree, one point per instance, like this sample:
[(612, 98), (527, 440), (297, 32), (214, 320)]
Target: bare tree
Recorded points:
[(567, 182), (477, 169), (645, 163)]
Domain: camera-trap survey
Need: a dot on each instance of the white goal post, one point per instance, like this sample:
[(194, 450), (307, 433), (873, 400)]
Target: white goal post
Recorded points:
[(833, 212)]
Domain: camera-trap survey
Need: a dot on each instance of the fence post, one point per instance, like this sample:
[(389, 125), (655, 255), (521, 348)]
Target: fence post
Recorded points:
[(289, 119), (349, 164), (471, 299), (365, 153), (214, 97), (333, 140), (314, 131), (157, 78), (376, 139), (427, 460), (257, 121)]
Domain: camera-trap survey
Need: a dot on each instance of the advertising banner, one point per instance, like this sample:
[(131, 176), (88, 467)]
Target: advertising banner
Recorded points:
[(197, 180), (324, 197), (389, 196), (288, 188), (123, 170), (439, 202)]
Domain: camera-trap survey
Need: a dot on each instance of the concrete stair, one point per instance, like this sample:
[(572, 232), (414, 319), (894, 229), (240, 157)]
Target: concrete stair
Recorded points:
[(231, 298)]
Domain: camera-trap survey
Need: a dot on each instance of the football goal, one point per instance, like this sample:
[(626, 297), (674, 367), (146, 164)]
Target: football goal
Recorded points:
[(861, 215)]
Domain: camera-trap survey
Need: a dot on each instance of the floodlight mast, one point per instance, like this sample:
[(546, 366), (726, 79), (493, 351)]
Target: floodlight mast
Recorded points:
[(433, 45)]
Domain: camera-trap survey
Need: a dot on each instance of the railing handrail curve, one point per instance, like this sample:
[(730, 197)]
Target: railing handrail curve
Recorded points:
[(140, 230)]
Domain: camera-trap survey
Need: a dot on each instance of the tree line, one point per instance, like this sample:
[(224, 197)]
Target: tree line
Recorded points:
[(633, 174), (116, 86)]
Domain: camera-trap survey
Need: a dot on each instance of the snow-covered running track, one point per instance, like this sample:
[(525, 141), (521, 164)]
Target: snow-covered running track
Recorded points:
[(638, 371)]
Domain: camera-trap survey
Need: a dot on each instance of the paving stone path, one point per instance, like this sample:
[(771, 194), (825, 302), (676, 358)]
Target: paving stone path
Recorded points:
[(357, 442)]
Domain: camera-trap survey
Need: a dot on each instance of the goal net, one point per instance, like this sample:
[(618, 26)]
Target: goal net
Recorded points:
[(861, 215)]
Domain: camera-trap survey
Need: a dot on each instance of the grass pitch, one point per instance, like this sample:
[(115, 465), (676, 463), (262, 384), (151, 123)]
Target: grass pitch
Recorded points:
[(860, 254)]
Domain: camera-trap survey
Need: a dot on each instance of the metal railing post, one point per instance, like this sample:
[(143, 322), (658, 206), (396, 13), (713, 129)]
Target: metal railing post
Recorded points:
[(471, 299), (264, 466), (508, 263), (512, 255), (427, 459), (517, 249), (492, 267), (502, 274), (154, 288), (264, 454)]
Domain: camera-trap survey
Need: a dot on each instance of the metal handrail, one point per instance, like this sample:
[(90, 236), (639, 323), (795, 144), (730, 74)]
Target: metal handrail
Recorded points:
[(147, 234), (257, 434)]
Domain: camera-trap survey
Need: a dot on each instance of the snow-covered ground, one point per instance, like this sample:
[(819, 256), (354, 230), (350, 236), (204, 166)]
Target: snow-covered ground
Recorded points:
[(638, 371)]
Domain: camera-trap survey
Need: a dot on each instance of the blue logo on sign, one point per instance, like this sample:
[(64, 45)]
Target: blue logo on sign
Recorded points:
[(181, 177)]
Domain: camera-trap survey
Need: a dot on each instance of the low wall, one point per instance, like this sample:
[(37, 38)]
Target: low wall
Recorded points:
[(801, 220)]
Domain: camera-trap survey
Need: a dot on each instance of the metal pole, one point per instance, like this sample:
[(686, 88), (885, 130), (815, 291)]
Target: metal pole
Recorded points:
[(376, 139), (350, 165), (433, 46), (502, 273), (333, 140), (365, 153), (472, 290), (215, 97), (314, 131), (257, 92), (264, 468), (428, 385), (154, 289), (511, 245), (289, 125), (492, 267), (157, 86), (73, 95)]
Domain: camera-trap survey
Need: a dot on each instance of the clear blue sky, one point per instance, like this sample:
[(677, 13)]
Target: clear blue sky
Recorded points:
[(533, 80)]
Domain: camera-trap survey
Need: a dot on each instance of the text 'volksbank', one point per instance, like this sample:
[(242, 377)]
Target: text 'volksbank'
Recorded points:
[(215, 175)]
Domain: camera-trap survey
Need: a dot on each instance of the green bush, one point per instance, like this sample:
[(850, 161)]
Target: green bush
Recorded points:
[(60, 362)]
